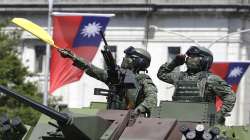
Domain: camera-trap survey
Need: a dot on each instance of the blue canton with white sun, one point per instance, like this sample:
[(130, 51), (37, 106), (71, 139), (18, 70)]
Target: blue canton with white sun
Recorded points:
[(88, 32), (91, 30), (235, 72)]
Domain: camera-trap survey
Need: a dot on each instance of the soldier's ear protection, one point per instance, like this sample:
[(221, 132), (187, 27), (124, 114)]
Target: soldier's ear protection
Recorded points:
[(206, 62), (140, 62)]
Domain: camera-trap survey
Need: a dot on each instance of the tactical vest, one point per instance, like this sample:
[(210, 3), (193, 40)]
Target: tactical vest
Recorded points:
[(190, 89), (129, 101), (132, 94), (136, 95)]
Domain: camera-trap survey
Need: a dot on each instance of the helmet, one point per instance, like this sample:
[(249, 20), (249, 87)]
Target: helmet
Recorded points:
[(205, 54), (140, 58)]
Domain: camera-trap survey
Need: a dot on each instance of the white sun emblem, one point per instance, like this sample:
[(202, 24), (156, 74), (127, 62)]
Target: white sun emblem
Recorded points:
[(91, 30), (237, 71)]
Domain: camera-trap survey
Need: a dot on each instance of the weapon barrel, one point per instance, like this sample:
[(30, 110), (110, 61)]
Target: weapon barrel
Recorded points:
[(37, 106), (104, 40)]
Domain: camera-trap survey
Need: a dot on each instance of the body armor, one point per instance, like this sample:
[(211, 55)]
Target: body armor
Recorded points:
[(187, 90), (131, 96), (192, 89)]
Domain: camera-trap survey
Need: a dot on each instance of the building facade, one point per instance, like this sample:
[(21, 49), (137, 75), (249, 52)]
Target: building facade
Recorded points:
[(163, 27)]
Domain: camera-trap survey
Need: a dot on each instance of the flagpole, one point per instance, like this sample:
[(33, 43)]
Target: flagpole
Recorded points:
[(47, 67)]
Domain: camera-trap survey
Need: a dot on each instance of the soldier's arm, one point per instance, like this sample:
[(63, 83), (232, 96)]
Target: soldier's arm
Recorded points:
[(91, 70), (150, 92), (224, 91), (79, 62), (165, 73)]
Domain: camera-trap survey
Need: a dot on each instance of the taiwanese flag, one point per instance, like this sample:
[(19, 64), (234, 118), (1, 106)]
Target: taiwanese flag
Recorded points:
[(231, 72), (80, 34)]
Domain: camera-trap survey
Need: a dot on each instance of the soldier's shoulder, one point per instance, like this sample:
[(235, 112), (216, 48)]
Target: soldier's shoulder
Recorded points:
[(142, 76), (212, 78)]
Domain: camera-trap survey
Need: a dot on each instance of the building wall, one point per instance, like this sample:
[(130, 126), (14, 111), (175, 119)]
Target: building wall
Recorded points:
[(131, 27)]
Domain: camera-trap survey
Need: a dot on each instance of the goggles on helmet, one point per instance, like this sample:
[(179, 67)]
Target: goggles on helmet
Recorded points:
[(193, 51), (131, 51)]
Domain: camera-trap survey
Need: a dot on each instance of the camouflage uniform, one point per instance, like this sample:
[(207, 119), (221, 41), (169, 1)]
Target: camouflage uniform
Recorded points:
[(146, 95), (213, 85)]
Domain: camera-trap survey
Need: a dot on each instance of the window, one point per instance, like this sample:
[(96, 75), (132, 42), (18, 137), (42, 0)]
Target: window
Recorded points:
[(40, 51)]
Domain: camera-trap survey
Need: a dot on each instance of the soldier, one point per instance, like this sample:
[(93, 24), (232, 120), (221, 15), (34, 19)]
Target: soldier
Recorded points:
[(136, 60), (208, 85)]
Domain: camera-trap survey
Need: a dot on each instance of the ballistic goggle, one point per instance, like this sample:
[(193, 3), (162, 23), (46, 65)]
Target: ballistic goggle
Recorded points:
[(131, 51), (194, 50)]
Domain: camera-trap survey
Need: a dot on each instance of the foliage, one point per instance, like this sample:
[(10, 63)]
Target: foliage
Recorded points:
[(13, 75)]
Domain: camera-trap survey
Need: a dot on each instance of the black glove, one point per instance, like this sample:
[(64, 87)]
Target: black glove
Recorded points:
[(139, 110), (65, 53), (179, 59)]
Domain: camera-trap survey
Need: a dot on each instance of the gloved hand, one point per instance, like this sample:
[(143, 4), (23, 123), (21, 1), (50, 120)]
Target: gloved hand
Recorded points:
[(139, 110), (179, 59), (220, 118), (65, 53), (80, 63)]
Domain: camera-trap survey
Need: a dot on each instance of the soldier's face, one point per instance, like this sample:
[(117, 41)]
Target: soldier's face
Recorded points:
[(193, 62), (127, 62)]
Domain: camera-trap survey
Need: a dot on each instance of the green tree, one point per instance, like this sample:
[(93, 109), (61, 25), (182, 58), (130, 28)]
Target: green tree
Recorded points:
[(13, 75)]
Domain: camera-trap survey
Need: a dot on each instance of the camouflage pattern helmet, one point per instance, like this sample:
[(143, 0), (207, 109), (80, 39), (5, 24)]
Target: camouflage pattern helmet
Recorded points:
[(206, 54), (143, 57)]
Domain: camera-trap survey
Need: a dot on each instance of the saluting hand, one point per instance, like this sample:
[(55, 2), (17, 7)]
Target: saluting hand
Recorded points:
[(179, 59)]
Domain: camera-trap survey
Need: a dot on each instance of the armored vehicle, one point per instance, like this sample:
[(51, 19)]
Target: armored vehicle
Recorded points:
[(170, 121), (94, 124)]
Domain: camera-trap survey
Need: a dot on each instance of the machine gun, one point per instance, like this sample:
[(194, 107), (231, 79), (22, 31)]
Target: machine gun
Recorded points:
[(113, 77), (67, 124), (118, 79)]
